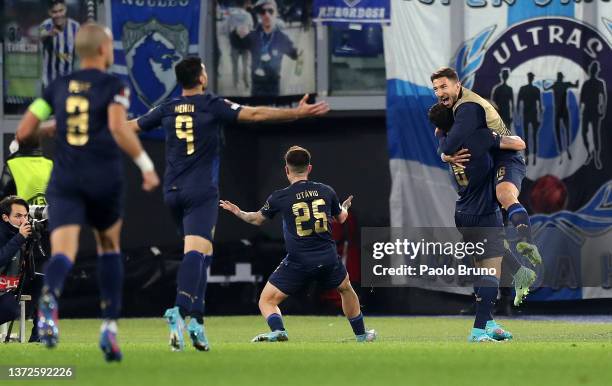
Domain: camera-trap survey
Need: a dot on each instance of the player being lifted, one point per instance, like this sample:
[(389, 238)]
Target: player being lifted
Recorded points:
[(307, 208), (478, 218), (86, 184), (471, 112), (522, 277), (192, 123)]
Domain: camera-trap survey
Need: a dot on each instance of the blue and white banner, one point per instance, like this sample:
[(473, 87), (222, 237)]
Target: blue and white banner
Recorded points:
[(547, 65), (352, 11), (149, 39)]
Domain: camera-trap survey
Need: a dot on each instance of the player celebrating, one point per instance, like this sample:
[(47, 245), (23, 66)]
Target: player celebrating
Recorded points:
[(523, 277), (192, 124), (85, 186), (478, 218), (307, 208), (472, 112)]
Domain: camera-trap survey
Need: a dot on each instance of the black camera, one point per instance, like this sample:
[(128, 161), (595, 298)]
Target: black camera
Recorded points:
[(39, 212), (39, 215)]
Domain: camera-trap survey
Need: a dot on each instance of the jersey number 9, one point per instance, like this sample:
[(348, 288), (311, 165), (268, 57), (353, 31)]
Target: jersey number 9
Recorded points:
[(184, 130), (302, 211), (77, 108)]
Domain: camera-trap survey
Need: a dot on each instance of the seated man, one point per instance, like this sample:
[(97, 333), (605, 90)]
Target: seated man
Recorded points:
[(15, 229)]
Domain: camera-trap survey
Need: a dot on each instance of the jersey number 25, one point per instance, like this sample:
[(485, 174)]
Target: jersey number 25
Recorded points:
[(302, 211)]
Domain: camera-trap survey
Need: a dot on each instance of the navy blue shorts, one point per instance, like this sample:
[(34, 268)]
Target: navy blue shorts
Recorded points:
[(290, 277), (478, 228), (97, 203), (194, 212), (511, 170)]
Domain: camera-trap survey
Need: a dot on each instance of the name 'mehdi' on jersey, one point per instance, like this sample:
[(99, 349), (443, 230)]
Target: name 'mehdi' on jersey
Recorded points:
[(192, 125)]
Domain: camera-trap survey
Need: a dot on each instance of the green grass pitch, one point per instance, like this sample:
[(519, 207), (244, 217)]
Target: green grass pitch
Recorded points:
[(321, 351)]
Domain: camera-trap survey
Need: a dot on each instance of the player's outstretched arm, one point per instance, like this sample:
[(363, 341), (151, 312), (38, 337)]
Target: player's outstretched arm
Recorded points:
[(255, 218), (128, 142), (341, 218), (271, 114), (512, 142)]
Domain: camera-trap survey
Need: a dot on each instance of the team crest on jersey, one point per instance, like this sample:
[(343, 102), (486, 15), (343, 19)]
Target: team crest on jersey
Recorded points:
[(549, 78), (151, 51)]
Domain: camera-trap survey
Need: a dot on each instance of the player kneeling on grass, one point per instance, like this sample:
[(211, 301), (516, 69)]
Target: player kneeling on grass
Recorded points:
[(306, 207)]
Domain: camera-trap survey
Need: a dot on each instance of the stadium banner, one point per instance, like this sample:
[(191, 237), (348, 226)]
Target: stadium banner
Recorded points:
[(23, 23), (352, 11), (439, 258), (149, 39), (265, 49), (547, 65)]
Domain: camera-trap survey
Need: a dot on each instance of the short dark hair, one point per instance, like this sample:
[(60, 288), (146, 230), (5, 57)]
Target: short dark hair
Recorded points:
[(6, 205), (445, 72), (441, 117), (188, 72), (298, 159), (53, 3)]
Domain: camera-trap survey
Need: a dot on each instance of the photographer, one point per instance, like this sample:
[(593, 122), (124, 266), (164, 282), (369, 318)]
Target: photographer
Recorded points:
[(15, 230)]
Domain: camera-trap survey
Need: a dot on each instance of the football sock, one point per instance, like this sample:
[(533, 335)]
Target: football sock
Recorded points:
[(510, 264), (357, 324), (56, 271), (520, 220), (504, 213), (275, 321), (485, 300), (187, 281), (110, 281), (199, 302)]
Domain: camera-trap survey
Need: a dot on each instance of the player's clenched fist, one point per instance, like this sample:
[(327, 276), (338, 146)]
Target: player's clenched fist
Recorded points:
[(150, 180)]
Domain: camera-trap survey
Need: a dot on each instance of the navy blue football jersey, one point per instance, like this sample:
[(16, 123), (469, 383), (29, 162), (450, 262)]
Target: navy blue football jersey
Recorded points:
[(192, 125), (80, 103), (476, 183), (307, 208)]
